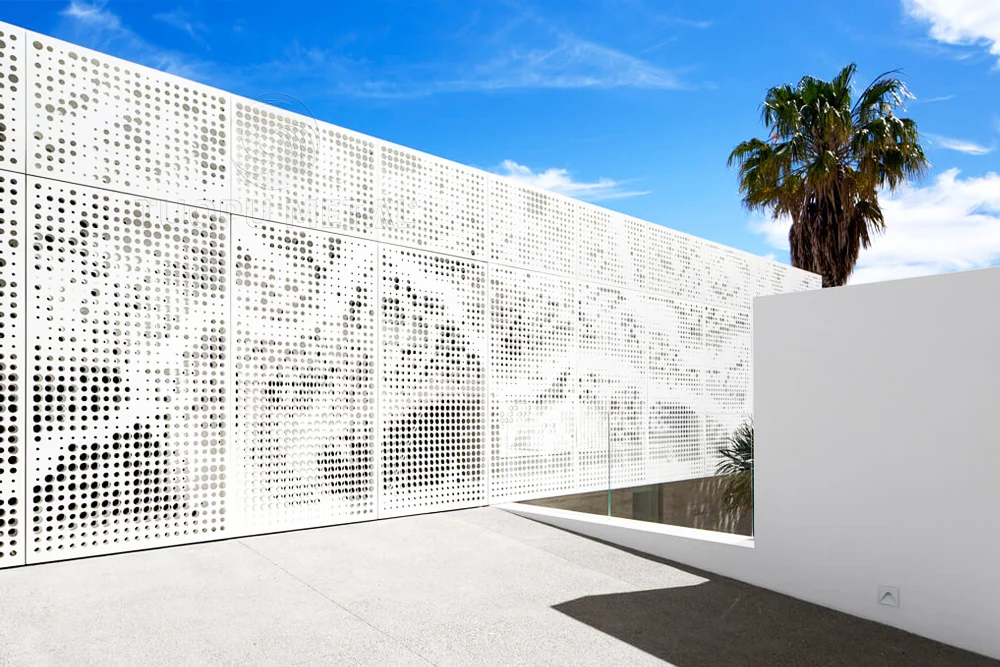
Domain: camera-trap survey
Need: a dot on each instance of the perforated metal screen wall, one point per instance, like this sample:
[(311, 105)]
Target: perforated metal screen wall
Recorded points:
[(232, 319)]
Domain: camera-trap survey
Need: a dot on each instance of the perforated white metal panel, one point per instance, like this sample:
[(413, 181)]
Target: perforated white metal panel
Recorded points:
[(432, 204), (675, 263), (728, 393), (761, 277), (532, 229), (772, 278), (368, 339), (676, 392), (433, 382), (304, 377), (610, 247), (635, 254), (292, 168), (98, 120), (612, 386), (727, 277), (797, 280), (727, 360), (128, 332), (12, 98), (532, 384), (12, 404)]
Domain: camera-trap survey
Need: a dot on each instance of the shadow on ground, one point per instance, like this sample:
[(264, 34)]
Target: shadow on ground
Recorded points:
[(723, 623)]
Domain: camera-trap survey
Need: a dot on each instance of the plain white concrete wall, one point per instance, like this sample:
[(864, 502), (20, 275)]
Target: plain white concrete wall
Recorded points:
[(877, 458), (878, 451)]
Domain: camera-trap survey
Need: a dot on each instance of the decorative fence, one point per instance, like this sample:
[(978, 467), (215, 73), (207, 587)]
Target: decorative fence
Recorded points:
[(222, 318)]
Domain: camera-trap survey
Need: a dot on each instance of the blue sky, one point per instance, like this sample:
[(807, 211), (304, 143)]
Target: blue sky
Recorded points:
[(633, 104)]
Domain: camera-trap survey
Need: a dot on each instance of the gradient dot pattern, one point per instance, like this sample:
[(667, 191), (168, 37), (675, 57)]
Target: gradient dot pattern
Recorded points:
[(610, 248), (532, 384), (675, 387), (101, 121), (432, 204), (12, 98), (433, 382), (611, 366), (290, 168), (727, 277), (304, 376), (532, 229), (727, 360), (674, 264), (12, 403), (411, 335), (128, 342)]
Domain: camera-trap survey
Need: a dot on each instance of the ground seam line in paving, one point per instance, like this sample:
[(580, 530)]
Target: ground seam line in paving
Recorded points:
[(340, 606), (538, 548)]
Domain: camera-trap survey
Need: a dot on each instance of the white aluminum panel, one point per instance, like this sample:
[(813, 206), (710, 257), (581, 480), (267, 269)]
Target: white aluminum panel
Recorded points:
[(291, 168), (727, 360), (761, 277), (610, 247), (797, 280), (127, 323), (97, 120), (304, 377), (774, 278), (675, 263), (432, 204), (532, 384), (432, 395), (532, 229), (12, 391), (634, 253), (612, 387), (727, 277), (676, 395), (12, 98)]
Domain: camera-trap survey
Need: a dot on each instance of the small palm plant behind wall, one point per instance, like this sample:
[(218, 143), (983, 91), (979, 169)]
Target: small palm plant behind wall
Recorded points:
[(737, 468)]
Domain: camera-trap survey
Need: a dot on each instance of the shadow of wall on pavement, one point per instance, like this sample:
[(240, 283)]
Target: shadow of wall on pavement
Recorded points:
[(725, 623)]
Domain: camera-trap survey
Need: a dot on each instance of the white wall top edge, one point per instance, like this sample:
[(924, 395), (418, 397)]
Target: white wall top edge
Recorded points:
[(234, 99), (542, 513)]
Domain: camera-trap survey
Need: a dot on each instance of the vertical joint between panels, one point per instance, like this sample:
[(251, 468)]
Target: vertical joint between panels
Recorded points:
[(25, 439), (380, 212), (488, 357), (235, 498), (377, 384), (27, 451)]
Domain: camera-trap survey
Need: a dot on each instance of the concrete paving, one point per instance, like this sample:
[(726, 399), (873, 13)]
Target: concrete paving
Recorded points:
[(475, 587)]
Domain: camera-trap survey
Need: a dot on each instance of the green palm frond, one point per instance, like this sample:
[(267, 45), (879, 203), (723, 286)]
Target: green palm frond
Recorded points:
[(736, 465), (828, 153)]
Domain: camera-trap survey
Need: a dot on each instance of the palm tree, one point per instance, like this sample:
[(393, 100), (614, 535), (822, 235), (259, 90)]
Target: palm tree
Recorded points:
[(824, 162), (736, 465)]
